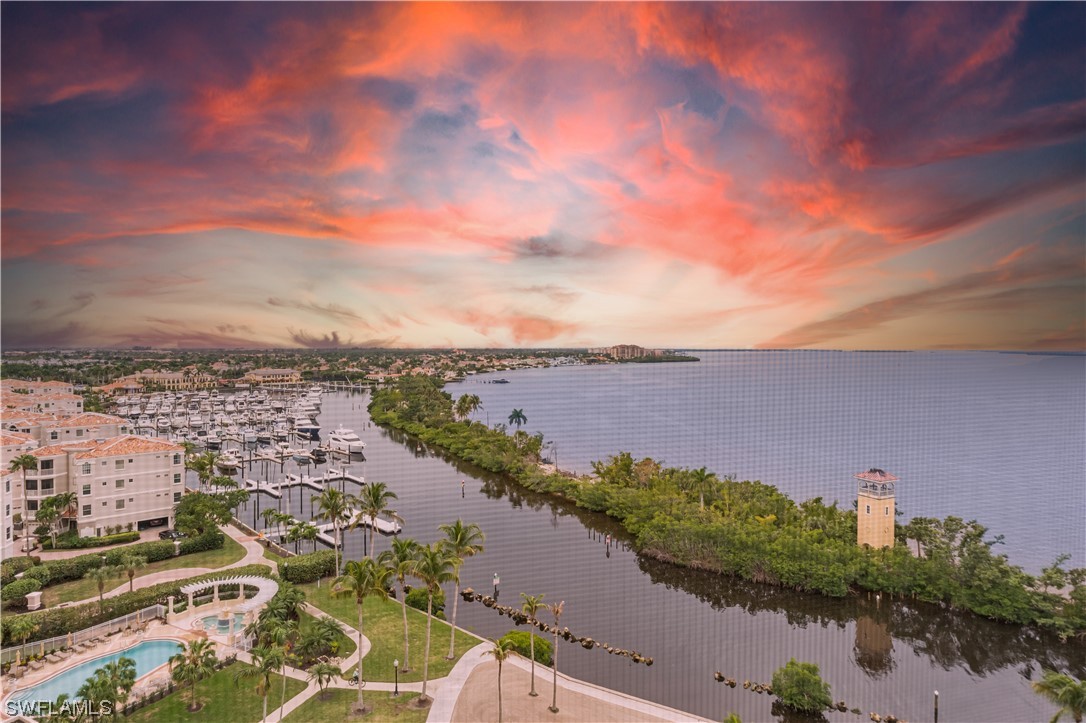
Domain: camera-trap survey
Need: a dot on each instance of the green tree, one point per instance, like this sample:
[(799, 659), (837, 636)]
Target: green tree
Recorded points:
[(324, 673), (130, 565), (467, 405), (267, 661), (372, 503), (21, 464), (556, 610), (517, 418), (799, 686), (65, 502), (531, 606), (401, 559), (100, 576), (364, 579), (302, 530), (334, 506), (1064, 691), (461, 541), (193, 663), (48, 514), (112, 683), (501, 651), (434, 568), (702, 481)]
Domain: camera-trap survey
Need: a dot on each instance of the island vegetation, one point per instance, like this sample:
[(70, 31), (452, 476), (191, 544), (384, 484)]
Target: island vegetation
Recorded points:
[(751, 530)]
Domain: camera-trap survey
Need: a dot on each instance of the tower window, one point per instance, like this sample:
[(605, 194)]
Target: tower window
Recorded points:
[(887, 512), (868, 509)]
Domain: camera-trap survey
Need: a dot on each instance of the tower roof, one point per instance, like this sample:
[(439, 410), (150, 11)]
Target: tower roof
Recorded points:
[(876, 475)]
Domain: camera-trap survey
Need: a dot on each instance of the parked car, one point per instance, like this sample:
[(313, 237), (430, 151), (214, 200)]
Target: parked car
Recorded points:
[(170, 535)]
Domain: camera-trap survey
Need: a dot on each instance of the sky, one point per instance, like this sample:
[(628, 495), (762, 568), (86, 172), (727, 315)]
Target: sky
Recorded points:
[(708, 175)]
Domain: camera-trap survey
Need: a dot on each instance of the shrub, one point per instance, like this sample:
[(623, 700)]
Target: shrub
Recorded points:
[(521, 644), (213, 539), (74, 568), (73, 542), (13, 566), (39, 573), (416, 598), (799, 686), (15, 592), (61, 621), (309, 567)]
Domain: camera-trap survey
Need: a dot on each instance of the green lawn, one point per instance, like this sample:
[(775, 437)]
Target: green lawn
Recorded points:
[(82, 589), (223, 700), (384, 628), (337, 707)]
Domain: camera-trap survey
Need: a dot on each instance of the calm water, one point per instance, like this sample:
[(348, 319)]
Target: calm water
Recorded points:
[(886, 658)]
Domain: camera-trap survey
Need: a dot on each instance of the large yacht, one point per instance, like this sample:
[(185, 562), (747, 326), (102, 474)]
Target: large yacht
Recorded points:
[(345, 440)]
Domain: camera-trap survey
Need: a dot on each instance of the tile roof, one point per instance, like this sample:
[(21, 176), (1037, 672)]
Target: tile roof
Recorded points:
[(9, 438), (128, 444), (87, 419), (56, 450)]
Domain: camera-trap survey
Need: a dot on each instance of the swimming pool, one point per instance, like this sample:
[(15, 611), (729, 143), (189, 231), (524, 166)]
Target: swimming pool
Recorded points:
[(148, 655)]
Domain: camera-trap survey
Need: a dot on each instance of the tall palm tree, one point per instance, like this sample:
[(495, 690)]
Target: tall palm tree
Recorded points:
[(192, 664), (702, 481), (47, 515), (334, 506), (372, 503), (130, 565), (532, 605), (462, 541), (302, 530), (101, 575), (111, 683), (364, 579), (266, 662), (556, 610), (467, 405), (434, 568), (501, 651), (517, 418), (203, 465), (21, 464), (1065, 691), (282, 633), (402, 559)]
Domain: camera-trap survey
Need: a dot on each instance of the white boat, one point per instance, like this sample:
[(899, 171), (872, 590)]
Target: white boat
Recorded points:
[(345, 440), (306, 427), (248, 435), (227, 462), (163, 423)]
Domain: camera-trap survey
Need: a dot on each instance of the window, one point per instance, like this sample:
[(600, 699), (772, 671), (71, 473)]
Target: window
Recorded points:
[(86, 510), (86, 490), (7, 510), (868, 509), (45, 464), (120, 504), (177, 459), (53, 435), (177, 478), (47, 485), (119, 464), (79, 432), (103, 505), (120, 484), (31, 505), (32, 485), (176, 496), (887, 513), (86, 468), (7, 486), (7, 533)]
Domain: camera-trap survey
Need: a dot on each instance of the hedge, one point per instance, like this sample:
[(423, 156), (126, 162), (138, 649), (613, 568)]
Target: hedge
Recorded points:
[(74, 568), (15, 592), (309, 567), (213, 539), (80, 543), (40, 573), (416, 598), (14, 565), (521, 644), (55, 622)]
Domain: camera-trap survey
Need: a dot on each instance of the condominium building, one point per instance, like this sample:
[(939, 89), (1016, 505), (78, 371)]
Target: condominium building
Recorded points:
[(273, 376)]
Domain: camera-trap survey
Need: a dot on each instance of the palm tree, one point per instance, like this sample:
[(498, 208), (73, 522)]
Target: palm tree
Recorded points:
[(302, 530), (556, 610), (372, 503), (22, 463), (467, 405), (111, 683), (532, 605), (502, 649), (48, 514), (334, 506), (192, 664), (19, 627), (101, 575), (402, 559), (324, 673), (203, 465), (321, 636), (282, 634), (702, 481), (364, 579), (461, 541), (517, 418), (1065, 691), (434, 568), (131, 564), (266, 661), (64, 502)]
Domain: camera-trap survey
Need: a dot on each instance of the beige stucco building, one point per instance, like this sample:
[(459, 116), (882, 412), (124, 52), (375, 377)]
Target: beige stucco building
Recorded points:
[(875, 508)]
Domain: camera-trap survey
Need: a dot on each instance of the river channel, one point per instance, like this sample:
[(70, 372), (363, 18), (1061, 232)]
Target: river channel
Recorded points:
[(886, 657)]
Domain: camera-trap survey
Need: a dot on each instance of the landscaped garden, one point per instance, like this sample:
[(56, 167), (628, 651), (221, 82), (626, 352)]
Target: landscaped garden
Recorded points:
[(335, 705)]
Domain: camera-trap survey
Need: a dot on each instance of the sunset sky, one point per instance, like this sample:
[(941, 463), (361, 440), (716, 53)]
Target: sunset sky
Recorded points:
[(874, 176)]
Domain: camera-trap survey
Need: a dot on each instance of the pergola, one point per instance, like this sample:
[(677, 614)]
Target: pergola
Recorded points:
[(266, 589)]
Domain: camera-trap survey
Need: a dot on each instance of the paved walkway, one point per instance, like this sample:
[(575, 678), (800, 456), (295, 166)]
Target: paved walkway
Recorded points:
[(448, 691), (254, 555)]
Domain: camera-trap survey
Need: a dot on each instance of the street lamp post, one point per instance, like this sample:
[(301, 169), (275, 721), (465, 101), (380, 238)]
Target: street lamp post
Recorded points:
[(497, 580), (936, 707), (396, 689)]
